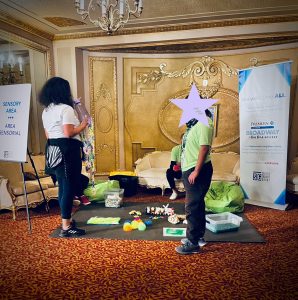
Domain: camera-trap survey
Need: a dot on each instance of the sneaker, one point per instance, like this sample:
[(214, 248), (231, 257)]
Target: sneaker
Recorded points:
[(188, 248), (174, 196), (72, 231), (85, 200), (201, 242)]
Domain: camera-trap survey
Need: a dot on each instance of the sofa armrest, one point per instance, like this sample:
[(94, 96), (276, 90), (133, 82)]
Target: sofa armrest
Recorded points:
[(6, 196), (236, 170), (142, 164)]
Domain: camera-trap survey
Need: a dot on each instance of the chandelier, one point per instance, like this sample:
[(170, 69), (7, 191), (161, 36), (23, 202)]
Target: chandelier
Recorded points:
[(11, 69), (109, 15)]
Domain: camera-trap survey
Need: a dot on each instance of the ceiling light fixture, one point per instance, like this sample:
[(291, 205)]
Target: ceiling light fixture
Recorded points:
[(109, 15)]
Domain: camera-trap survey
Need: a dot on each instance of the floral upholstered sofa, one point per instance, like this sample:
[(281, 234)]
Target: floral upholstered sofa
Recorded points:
[(12, 193), (151, 169)]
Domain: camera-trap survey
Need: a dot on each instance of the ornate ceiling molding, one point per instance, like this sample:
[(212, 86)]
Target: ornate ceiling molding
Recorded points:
[(202, 45), (8, 36), (7, 19), (201, 25)]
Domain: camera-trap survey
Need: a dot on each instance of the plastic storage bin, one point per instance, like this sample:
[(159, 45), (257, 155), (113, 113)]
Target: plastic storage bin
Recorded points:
[(114, 197), (127, 182), (223, 222)]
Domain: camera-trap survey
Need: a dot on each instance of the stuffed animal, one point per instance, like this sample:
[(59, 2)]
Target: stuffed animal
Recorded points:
[(160, 211)]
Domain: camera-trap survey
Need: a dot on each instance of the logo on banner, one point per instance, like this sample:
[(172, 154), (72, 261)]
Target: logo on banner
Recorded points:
[(261, 176), (279, 95), (262, 130)]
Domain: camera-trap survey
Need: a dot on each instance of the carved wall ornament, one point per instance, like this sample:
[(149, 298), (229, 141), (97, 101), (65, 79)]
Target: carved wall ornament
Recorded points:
[(256, 62), (105, 147), (225, 113), (103, 93), (206, 73)]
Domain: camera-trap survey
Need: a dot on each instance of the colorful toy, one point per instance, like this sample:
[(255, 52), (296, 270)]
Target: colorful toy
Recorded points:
[(135, 213), (104, 221), (142, 226), (176, 168), (148, 222), (173, 219), (127, 227), (160, 211), (134, 224)]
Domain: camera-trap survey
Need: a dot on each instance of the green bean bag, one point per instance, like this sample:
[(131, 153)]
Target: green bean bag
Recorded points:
[(224, 197), (97, 192)]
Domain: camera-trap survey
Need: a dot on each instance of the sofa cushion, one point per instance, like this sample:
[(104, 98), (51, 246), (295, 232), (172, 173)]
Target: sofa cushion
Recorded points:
[(154, 177), (29, 176), (160, 159), (153, 173), (48, 181), (31, 186), (34, 199), (223, 176)]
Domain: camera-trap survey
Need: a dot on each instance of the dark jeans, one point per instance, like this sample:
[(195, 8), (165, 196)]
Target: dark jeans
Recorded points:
[(68, 189), (66, 195), (171, 175), (194, 202)]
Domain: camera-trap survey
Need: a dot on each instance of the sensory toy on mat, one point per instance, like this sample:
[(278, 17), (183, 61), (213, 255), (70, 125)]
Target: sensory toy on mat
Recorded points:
[(142, 226), (135, 213), (104, 221), (173, 219), (136, 223), (127, 226), (148, 222), (165, 210)]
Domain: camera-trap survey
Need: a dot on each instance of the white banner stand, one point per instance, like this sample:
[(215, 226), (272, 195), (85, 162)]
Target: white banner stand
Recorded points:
[(264, 96), (14, 121)]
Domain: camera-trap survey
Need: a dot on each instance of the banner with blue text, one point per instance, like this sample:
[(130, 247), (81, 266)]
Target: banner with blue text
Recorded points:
[(264, 96), (14, 120)]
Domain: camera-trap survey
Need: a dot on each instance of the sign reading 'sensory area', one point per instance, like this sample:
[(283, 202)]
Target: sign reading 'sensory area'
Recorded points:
[(14, 120)]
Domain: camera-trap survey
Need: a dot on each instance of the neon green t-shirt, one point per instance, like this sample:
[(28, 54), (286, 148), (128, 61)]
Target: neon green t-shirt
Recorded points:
[(176, 153), (198, 135)]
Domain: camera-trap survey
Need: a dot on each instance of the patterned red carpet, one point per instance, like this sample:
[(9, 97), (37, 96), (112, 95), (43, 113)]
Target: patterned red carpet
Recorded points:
[(35, 266)]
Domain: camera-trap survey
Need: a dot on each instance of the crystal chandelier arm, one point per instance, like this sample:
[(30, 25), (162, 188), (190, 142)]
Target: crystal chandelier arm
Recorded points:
[(113, 14), (80, 11), (138, 8)]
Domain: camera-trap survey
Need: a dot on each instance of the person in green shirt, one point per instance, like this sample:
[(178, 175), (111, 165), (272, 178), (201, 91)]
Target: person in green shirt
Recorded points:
[(197, 172), (174, 171)]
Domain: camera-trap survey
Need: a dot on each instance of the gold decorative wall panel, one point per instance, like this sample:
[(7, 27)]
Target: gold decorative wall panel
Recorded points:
[(151, 120), (104, 110)]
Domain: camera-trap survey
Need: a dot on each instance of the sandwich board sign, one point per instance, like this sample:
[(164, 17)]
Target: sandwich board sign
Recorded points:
[(14, 120)]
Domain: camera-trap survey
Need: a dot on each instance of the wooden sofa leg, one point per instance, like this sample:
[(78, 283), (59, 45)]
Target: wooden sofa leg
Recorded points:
[(14, 213)]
